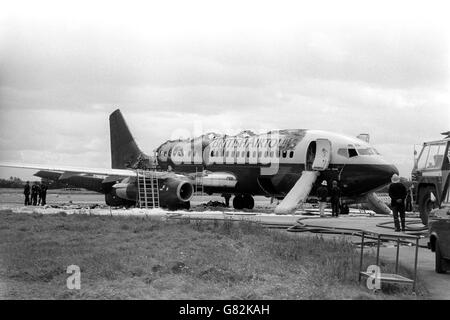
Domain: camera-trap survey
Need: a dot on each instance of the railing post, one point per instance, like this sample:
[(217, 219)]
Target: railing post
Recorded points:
[(361, 258), (396, 258), (415, 264), (378, 250)]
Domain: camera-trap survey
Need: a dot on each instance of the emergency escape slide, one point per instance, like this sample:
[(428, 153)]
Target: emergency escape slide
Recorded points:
[(298, 193)]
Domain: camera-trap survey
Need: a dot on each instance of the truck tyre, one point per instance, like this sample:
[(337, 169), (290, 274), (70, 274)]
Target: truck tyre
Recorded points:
[(425, 203), (440, 263)]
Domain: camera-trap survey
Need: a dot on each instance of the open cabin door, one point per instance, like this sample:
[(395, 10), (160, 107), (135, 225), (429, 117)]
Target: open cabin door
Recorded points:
[(323, 155), (318, 158)]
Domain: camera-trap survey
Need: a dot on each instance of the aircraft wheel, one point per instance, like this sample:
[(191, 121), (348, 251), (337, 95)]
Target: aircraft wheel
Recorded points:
[(238, 202), (186, 205), (343, 209), (249, 202)]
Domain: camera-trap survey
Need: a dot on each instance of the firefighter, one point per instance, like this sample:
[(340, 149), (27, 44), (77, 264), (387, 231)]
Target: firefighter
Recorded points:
[(322, 193), (335, 199), (34, 193), (26, 192), (43, 194), (397, 192)]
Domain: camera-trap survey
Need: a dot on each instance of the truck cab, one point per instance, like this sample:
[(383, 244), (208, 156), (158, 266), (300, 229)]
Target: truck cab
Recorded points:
[(430, 176)]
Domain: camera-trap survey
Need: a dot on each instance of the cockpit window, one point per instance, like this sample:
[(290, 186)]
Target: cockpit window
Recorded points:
[(352, 152), (343, 152), (366, 151)]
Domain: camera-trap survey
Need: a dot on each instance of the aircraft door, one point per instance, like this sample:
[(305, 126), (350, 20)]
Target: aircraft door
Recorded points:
[(322, 155)]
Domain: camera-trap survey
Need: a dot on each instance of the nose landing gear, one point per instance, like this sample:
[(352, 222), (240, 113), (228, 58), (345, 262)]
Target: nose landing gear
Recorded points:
[(243, 201)]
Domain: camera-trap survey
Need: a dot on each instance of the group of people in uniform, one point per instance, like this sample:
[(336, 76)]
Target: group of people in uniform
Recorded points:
[(334, 194), (35, 194)]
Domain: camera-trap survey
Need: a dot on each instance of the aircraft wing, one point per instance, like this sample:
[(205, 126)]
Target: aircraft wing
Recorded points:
[(66, 171)]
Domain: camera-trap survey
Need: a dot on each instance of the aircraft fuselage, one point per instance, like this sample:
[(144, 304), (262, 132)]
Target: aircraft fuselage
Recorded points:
[(271, 163)]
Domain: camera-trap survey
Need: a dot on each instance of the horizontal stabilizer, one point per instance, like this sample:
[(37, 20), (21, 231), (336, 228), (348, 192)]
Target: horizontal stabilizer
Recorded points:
[(299, 192)]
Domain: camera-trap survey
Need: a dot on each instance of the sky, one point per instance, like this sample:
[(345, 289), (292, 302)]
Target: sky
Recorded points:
[(179, 68)]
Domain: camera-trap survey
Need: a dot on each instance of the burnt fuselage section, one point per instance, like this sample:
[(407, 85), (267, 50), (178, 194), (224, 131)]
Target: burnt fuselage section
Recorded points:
[(271, 163)]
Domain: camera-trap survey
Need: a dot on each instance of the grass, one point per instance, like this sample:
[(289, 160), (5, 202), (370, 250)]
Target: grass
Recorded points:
[(148, 258)]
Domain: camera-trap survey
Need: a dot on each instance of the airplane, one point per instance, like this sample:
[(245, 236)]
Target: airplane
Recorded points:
[(285, 164)]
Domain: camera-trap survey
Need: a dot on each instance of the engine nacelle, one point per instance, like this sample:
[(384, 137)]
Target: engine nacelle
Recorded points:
[(176, 189), (173, 192)]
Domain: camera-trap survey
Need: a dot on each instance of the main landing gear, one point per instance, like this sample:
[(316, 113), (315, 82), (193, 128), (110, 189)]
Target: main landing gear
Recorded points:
[(243, 201)]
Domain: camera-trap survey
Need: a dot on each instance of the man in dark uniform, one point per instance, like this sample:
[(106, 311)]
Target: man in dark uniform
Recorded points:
[(335, 199), (397, 192), (322, 193), (34, 193), (26, 192), (43, 194)]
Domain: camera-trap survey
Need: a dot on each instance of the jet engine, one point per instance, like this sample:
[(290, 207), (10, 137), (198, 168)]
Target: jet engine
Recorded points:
[(174, 192)]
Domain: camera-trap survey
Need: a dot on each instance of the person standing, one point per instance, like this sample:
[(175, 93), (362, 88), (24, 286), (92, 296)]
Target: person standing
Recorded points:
[(39, 195), (34, 193), (335, 199), (397, 193), (26, 192), (43, 194), (322, 193)]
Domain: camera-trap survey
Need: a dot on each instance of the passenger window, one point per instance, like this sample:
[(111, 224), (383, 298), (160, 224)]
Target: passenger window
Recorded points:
[(259, 154), (291, 154), (212, 153), (248, 154), (227, 153), (254, 154), (243, 154), (265, 154), (271, 154), (352, 152), (284, 154)]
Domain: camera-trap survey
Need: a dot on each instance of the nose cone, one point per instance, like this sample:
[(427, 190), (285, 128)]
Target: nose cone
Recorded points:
[(385, 173), (364, 178)]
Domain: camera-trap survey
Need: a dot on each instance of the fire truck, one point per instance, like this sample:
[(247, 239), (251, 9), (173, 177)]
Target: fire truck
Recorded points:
[(432, 194), (430, 176)]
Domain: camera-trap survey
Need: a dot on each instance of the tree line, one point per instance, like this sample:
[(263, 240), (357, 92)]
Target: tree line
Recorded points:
[(15, 182)]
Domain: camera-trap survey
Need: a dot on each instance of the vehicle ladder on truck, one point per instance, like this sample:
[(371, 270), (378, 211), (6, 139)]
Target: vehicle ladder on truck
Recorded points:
[(148, 189)]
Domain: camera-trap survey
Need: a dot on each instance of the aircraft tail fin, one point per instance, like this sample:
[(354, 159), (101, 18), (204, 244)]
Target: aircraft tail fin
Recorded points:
[(124, 151)]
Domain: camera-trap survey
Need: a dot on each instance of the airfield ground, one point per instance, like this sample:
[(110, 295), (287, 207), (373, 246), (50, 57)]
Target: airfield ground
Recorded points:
[(151, 255)]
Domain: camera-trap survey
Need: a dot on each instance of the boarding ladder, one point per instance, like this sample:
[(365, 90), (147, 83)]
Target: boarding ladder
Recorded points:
[(148, 189), (198, 183)]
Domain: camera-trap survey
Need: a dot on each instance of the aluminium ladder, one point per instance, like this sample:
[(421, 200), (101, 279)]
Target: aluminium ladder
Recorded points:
[(148, 189)]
